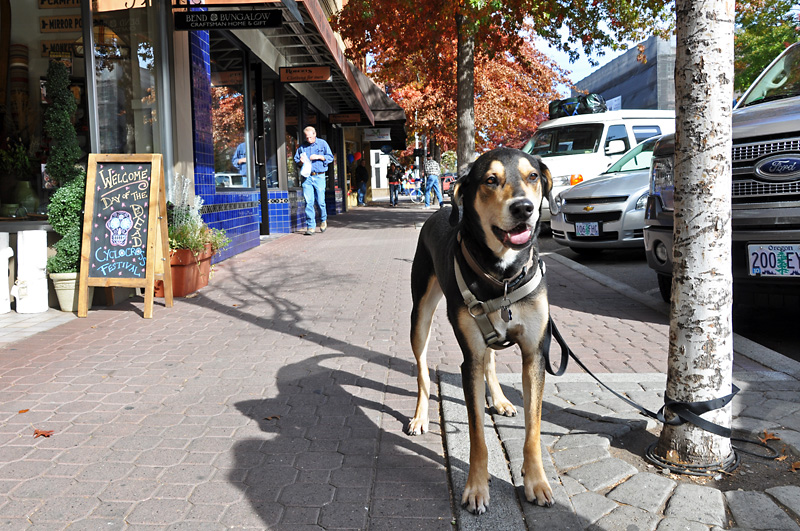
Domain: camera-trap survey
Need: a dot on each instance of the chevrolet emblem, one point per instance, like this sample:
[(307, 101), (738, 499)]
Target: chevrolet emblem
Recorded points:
[(588, 208)]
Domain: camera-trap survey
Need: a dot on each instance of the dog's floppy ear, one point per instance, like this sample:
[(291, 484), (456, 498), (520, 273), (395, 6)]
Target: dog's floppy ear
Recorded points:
[(547, 178), (456, 200)]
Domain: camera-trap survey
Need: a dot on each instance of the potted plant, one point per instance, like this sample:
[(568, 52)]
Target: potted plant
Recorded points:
[(15, 168), (65, 212), (192, 243)]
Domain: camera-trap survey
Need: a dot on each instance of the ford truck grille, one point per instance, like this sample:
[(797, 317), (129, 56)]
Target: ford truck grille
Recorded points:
[(752, 188), (756, 150)]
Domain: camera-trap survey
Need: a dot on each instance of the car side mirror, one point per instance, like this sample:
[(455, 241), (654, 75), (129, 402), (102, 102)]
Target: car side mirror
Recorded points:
[(615, 147)]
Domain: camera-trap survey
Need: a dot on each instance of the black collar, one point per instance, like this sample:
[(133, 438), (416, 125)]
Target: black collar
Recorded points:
[(506, 283)]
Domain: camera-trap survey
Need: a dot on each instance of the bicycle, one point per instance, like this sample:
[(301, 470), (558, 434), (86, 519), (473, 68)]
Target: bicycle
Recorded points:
[(416, 194)]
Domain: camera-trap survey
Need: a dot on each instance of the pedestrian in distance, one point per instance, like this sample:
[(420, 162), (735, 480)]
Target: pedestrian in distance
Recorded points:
[(239, 158), (395, 178), (361, 182), (317, 154), (432, 184)]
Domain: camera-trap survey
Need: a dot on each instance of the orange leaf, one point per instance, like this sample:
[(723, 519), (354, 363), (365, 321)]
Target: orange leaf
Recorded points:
[(273, 417), (769, 437), (781, 458), (24, 410), (42, 433), (795, 466)]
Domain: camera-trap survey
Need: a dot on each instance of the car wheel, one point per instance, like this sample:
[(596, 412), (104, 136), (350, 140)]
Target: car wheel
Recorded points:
[(586, 251), (665, 287)]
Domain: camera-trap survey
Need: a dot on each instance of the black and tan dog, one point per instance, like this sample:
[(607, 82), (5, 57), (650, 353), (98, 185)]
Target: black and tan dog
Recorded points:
[(484, 259)]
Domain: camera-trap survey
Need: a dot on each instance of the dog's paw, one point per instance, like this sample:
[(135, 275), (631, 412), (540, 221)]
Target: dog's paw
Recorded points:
[(476, 499), (505, 407), (417, 426), (539, 492)]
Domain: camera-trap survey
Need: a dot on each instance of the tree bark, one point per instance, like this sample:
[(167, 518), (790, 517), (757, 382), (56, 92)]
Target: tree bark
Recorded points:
[(700, 363), (465, 103)]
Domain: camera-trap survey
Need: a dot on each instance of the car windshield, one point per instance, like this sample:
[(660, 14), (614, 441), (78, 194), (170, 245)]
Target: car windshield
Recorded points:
[(565, 140), (781, 80), (636, 159)]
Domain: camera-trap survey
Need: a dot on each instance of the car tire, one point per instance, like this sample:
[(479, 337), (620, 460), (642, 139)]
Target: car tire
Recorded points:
[(665, 287)]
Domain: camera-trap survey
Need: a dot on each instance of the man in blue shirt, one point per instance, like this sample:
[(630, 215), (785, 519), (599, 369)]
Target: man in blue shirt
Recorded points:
[(239, 158), (316, 152)]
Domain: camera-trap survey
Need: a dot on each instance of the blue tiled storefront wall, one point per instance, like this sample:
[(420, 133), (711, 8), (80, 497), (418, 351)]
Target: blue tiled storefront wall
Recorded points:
[(239, 214)]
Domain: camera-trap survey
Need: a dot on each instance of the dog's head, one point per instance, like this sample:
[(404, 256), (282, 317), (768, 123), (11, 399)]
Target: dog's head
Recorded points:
[(500, 198)]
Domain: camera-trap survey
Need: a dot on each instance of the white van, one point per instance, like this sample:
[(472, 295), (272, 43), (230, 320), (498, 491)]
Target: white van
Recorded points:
[(579, 148)]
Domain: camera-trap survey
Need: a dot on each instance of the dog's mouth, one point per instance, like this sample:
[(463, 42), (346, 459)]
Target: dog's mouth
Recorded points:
[(515, 238)]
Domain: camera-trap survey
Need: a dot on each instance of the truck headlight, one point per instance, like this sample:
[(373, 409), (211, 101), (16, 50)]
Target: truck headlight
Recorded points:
[(567, 180), (662, 181)]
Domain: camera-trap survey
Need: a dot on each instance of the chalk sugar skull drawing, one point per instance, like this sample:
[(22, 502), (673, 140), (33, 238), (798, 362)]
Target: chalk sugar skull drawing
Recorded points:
[(119, 224)]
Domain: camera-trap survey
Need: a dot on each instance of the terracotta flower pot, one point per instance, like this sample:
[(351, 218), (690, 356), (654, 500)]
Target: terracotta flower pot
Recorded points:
[(189, 273)]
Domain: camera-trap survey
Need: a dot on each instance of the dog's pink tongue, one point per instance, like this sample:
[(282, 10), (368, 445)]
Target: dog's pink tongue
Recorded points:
[(519, 235)]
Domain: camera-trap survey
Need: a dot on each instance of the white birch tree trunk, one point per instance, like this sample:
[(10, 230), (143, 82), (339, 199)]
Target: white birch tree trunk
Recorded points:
[(465, 97), (701, 335)]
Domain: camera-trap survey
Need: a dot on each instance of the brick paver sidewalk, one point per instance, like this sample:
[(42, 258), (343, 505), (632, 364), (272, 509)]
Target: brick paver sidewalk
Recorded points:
[(274, 399)]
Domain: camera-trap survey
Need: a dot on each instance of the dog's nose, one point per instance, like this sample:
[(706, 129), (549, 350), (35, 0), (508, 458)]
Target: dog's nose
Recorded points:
[(521, 209)]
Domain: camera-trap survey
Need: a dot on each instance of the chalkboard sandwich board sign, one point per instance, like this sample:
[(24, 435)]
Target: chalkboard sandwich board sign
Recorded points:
[(124, 227)]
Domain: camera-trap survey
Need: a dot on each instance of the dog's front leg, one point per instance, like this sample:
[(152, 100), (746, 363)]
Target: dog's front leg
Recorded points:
[(537, 488), (476, 491), (501, 404), (425, 303)]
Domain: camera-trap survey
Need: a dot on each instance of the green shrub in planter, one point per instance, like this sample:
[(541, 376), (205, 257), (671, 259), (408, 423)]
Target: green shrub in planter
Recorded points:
[(65, 212), (66, 217)]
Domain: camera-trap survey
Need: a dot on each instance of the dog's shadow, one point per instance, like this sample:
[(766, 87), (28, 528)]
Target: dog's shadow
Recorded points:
[(327, 451)]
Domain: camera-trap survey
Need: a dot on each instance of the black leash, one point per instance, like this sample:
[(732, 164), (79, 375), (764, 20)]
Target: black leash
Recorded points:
[(683, 411)]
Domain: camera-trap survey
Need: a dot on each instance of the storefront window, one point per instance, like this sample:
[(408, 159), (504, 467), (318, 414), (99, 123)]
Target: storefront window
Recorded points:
[(126, 55), (233, 153), (269, 133), (292, 137)]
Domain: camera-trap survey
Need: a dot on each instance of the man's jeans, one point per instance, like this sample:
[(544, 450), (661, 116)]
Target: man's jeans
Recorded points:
[(394, 193), (432, 183), (362, 193), (314, 188)]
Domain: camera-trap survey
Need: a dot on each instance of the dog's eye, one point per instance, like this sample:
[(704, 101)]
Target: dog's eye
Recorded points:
[(492, 180), (533, 177)]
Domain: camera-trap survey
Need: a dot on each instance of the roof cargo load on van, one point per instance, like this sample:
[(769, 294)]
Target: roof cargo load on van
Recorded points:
[(583, 104)]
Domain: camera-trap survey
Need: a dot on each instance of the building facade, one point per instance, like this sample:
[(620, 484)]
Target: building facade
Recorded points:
[(628, 83), (222, 89)]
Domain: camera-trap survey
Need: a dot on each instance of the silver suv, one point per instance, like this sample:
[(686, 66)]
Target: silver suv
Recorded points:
[(766, 191)]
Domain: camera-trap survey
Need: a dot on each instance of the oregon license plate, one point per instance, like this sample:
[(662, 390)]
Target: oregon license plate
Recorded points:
[(774, 259), (591, 228)]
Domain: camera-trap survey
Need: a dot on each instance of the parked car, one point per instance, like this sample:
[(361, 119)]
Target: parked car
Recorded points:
[(447, 183), (765, 217), (606, 212), (579, 148)]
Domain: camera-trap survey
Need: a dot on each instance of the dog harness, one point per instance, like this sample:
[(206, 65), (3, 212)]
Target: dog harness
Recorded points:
[(480, 310)]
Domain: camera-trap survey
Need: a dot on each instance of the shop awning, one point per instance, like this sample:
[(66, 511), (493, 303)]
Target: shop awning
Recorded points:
[(387, 112), (311, 42)]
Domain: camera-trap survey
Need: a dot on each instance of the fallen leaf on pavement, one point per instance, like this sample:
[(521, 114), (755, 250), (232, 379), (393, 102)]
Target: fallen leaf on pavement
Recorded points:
[(781, 458), (24, 410), (273, 417), (795, 466), (42, 433), (769, 437)]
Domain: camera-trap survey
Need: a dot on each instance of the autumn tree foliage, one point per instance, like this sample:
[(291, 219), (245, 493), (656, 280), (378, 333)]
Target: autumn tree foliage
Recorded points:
[(227, 115), (764, 28), (413, 46)]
